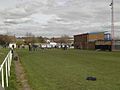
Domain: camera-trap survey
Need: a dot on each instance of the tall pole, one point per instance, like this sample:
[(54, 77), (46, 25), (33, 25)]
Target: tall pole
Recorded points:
[(112, 25)]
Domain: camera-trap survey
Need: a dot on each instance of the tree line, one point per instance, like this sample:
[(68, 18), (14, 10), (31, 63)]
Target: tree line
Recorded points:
[(30, 38), (6, 39)]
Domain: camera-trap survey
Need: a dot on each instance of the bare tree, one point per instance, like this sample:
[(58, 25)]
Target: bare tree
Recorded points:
[(64, 39), (5, 39), (29, 38), (41, 39)]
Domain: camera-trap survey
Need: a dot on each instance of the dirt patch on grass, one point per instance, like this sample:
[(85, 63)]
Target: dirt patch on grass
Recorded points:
[(21, 77)]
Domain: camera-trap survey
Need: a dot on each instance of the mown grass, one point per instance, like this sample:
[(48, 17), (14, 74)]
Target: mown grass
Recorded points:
[(67, 70)]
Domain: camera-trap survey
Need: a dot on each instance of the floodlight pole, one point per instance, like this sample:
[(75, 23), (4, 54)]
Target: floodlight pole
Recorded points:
[(112, 25)]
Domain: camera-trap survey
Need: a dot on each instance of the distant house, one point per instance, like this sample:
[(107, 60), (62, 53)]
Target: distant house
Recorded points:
[(59, 39), (53, 44), (94, 40)]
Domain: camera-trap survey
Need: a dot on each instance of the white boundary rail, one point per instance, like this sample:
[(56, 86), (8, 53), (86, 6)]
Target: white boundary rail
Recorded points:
[(6, 65)]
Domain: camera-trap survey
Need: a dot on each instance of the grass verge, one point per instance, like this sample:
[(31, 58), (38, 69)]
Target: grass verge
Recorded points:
[(12, 80)]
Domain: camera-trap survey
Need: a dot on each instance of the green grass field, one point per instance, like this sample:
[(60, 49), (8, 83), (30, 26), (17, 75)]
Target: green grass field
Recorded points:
[(67, 70)]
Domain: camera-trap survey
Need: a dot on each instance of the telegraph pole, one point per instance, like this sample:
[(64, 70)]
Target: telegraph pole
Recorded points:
[(112, 25)]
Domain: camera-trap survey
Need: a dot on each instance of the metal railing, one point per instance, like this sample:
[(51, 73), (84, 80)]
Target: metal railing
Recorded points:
[(5, 69)]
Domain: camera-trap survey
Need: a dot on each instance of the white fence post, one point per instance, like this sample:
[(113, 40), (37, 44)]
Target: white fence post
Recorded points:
[(6, 64), (2, 77)]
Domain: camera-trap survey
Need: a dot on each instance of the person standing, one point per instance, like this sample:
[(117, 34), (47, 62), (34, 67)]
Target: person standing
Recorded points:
[(30, 48)]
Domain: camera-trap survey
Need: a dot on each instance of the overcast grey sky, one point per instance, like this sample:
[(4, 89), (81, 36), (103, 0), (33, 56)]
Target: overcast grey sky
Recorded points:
[(57, 17)]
